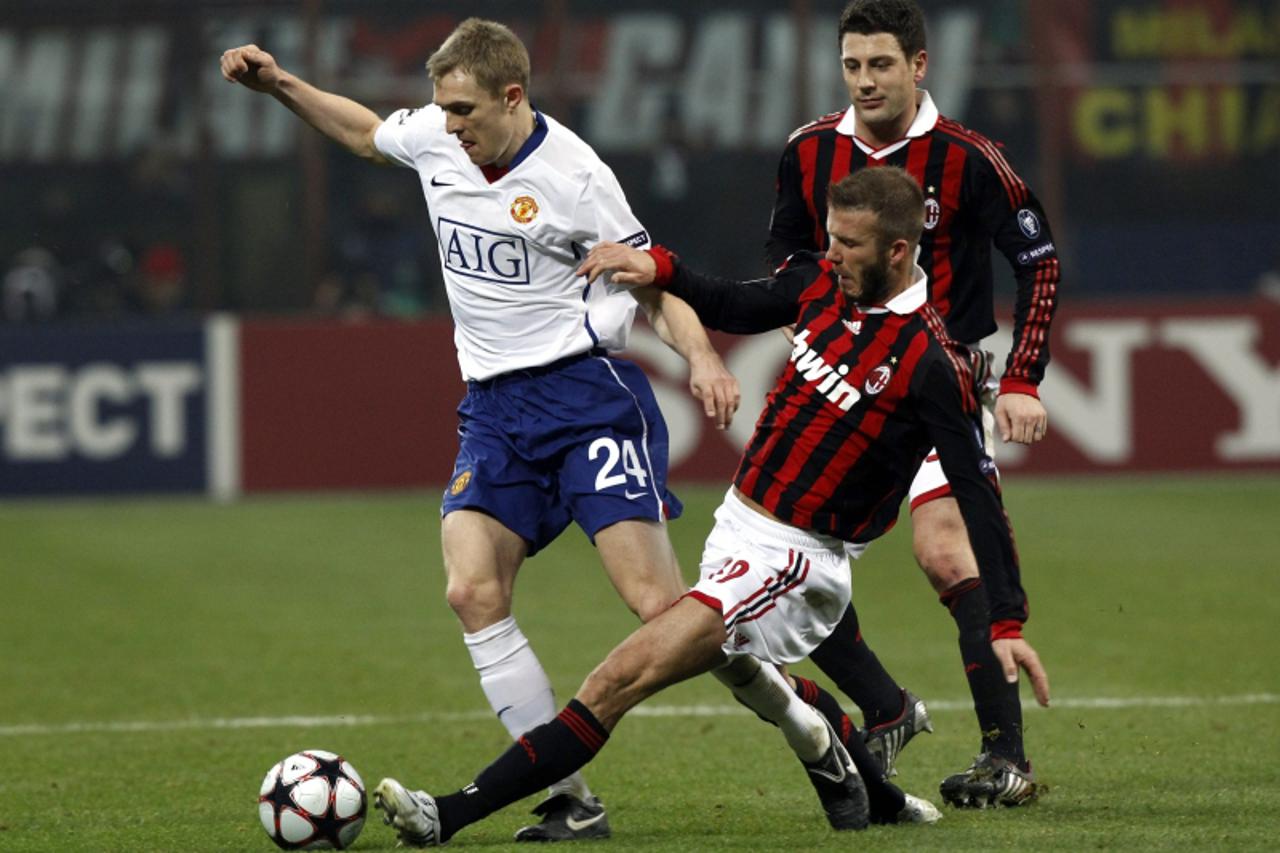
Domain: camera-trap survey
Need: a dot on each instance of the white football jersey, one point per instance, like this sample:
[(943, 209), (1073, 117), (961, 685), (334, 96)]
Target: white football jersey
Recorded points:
[(509, 249)]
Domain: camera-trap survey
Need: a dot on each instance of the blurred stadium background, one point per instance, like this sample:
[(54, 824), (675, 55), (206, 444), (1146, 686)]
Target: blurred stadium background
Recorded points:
[(201, 294)]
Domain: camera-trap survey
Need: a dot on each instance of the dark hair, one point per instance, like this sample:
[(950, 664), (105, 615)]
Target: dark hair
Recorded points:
[(891, 194), (488, 51), (902, 19)]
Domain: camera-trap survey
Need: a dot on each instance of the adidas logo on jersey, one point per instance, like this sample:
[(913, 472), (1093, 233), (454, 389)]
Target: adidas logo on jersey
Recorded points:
[(830, 379)]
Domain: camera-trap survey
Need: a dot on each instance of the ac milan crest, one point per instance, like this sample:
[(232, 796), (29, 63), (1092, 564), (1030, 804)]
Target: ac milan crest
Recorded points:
[(878, 379), (932, 213)]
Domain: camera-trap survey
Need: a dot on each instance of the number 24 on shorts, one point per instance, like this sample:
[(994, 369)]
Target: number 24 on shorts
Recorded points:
[(609, 476)]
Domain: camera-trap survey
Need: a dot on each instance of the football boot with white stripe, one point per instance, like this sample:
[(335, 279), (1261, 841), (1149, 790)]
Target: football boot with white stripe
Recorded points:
[(567, 818), (413, 814), (840, 789), (887, 740), (918, 810), (990, 781)]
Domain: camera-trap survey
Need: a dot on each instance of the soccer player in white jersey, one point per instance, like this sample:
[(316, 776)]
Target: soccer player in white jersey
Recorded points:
[(552, 429)]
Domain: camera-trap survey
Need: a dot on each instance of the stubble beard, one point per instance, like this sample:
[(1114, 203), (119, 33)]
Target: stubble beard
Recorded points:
[(874, 288)]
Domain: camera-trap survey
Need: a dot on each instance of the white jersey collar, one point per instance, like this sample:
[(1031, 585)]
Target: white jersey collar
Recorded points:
[(925, 120), (908, 301)]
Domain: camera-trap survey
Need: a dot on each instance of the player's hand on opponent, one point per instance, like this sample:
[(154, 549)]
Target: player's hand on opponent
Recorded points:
[(713, 384), (251, 66), (1021, 418), (1017, 653), (624, 264)]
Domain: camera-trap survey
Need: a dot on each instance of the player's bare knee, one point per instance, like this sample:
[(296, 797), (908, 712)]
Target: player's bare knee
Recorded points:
[(940, 542), (477, 603), (946, 564)]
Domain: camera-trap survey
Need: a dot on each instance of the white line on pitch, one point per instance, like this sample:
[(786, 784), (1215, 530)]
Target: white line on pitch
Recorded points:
[(310, 722)]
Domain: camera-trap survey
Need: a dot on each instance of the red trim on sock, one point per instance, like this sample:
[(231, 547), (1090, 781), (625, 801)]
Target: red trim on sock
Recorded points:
[(528, 747), (590, 738), (948, 598)]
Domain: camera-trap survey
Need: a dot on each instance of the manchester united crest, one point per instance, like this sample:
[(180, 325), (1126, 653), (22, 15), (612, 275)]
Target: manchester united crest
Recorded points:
[(460, 482), (524, 209), (877, 379)]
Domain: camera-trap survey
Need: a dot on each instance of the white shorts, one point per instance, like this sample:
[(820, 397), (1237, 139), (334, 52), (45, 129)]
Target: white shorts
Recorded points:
[(780, 589), (930, 483)]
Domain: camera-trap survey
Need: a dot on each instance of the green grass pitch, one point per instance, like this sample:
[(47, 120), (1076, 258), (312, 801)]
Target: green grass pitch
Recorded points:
[(150, 651)]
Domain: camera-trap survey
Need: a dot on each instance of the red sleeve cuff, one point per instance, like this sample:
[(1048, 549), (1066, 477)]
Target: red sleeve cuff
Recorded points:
[(666, 261), (1018, 386), (1006, 629)]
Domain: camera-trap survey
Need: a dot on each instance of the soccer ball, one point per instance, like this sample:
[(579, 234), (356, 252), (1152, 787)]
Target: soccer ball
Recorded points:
[(312, 800)]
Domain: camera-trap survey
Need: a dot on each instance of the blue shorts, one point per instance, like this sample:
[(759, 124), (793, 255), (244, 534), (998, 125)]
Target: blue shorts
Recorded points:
[(578, 440)]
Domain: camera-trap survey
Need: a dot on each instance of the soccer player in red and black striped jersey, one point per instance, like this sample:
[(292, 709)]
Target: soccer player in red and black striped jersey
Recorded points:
[(973, 199), (873, 383)]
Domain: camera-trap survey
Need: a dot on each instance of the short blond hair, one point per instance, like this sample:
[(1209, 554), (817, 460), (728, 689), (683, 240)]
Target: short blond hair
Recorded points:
[(488, 51)]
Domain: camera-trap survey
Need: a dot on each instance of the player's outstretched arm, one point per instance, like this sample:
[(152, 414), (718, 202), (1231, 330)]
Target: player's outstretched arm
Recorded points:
[(346, 122)]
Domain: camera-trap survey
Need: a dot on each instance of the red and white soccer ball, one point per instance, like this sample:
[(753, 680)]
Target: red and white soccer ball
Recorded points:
[(312, 800)]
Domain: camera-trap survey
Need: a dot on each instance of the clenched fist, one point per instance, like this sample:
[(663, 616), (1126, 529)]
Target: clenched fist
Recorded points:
[(251, 66)]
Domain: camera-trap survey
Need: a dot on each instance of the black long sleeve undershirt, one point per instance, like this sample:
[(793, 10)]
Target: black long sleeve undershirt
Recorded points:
[(744, 307)]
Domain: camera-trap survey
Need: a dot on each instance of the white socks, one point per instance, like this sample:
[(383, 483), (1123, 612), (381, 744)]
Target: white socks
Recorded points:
[(517, 686), (764, 690)]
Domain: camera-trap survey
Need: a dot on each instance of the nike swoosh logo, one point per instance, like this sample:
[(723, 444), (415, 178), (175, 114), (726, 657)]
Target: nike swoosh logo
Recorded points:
[(633, 495), (576, 825), (504, 710), (438, 183)]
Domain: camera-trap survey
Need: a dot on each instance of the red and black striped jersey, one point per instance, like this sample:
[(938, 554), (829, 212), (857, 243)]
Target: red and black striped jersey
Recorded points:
[(973, 199), (864, 396)]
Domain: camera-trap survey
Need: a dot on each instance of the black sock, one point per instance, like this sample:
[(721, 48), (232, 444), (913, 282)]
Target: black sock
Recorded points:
[(849, 662), (540, 757), (886, 798), (995, 700)]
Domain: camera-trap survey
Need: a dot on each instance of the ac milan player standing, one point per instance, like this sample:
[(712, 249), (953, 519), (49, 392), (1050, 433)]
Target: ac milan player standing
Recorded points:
[(973, 199)]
